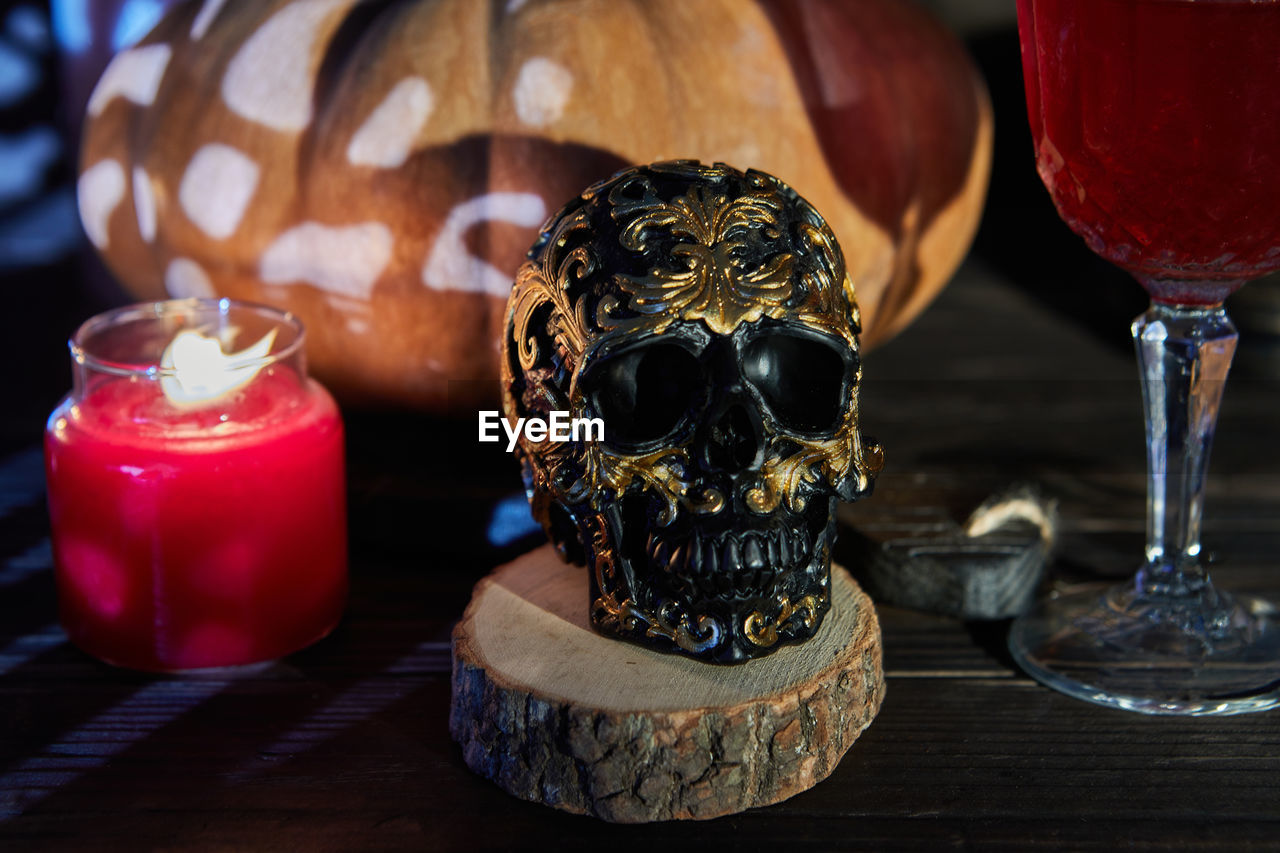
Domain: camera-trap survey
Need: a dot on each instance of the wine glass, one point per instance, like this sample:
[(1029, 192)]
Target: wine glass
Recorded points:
[(1157, 132)]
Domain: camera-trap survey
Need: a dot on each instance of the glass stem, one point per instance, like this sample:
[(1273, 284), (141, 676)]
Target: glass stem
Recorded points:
[(1184, 353)]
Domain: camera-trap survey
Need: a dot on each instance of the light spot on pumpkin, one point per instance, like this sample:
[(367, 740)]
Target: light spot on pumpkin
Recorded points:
[(204, 18), (746, 155), (514, 6), (270, 80), (451, 267), (144, 204), (755, 67), (100, 190), (346, 260), (542, 91), (134, 75), (184, 278), (216, 189), (357, 325), (385, 140)]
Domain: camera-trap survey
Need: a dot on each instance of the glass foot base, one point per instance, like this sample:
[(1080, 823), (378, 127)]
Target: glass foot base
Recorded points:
[(1206, 653)]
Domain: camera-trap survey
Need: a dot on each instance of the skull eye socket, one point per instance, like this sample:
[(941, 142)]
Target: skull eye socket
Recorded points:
[(643, 394), (801, 379)]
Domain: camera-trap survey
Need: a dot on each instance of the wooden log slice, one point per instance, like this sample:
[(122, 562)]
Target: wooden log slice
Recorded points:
[(557, 714)]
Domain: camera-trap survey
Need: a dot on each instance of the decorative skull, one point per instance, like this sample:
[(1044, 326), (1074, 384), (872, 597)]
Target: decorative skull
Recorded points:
[(705, 317)]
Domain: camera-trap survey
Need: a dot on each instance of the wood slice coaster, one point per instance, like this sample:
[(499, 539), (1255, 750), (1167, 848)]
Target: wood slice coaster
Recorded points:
[(558, 714)]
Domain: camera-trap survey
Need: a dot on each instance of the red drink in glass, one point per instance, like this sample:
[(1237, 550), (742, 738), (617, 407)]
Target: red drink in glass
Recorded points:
[(1157, 132)]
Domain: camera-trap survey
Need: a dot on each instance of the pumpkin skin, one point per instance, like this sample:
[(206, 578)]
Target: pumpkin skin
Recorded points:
[(381, 167)]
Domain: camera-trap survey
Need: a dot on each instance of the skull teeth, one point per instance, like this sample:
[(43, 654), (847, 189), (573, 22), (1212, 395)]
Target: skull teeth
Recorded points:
[(730, 563), (732, 560)]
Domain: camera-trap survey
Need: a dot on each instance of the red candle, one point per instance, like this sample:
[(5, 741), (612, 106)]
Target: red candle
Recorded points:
[(197, 500)]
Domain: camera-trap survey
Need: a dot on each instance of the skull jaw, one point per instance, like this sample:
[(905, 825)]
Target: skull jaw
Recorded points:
[(750, 616)]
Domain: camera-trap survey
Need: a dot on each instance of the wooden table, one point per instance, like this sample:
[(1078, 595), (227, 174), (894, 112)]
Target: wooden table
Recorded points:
[(344, 746)]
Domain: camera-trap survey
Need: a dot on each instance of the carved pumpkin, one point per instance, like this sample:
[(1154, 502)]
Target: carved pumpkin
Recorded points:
[(381, 167)]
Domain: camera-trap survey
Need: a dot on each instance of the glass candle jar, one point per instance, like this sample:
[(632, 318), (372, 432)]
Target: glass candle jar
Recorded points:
[(196, 486)]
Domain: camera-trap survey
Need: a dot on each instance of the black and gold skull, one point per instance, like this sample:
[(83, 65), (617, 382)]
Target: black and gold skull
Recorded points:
[(705, 317)]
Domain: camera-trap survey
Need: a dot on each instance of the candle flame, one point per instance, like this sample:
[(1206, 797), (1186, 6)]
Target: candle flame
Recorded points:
[(198, 371)]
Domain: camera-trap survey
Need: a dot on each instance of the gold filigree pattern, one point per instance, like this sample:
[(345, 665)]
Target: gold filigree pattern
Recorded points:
[(550, 283), (764, 631), (825, 282), (694, 634), (663, 470), (710, 277), (784, 476)]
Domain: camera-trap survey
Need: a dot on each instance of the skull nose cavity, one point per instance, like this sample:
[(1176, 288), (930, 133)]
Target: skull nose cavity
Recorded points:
[(734, 439)]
